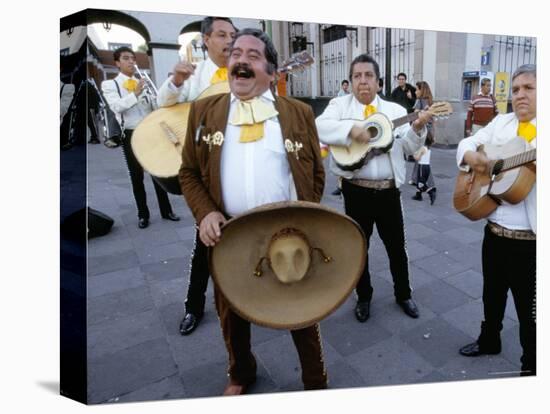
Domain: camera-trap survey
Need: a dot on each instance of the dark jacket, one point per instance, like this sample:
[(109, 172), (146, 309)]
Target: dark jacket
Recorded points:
[(399, 96)]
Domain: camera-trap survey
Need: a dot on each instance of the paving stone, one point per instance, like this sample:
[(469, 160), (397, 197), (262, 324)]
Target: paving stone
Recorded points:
[(198, 348), (342, 375), (418, 251), (117, 305), (165, 389), (390, 361), (169, 291), (465, 235), (469, 282), (128, 370), (157, 254), (441, 265), (108, 247), (172, 268), (115, 282), (154, 237), (437, 341), (481, 367), (122, 333), (441, 243), (112, 262), (348, 336), (388, 314), (419, 230), (440, 297)]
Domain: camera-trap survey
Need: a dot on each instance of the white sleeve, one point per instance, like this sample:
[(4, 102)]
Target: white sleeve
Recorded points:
[(170, 94), (483, 136), (331, 128), (116, 103), (406, 137)]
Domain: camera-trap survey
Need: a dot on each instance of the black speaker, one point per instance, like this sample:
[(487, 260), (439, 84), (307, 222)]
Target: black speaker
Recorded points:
[(74, 225), (99, 224)]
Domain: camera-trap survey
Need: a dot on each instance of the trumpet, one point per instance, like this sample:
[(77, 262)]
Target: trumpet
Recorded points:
[(149, 88)]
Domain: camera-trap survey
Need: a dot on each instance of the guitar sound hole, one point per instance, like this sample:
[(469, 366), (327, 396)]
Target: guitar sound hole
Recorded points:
[(373, 132)]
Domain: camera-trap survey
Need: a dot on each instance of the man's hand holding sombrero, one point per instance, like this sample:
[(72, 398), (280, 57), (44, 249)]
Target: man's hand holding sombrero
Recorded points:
[(209, 228)]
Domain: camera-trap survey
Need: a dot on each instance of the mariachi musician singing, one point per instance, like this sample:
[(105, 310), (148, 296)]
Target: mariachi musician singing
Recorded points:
[(186, 84)]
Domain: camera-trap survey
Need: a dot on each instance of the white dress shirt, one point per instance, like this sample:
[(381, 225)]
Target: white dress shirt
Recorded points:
[(521, 216), (169, 94), (343, 113), (254, 173), (132, 108)]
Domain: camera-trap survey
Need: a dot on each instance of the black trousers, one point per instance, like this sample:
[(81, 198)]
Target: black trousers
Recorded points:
[(198, 278), (136, 177), (383, 208), (510, 265)]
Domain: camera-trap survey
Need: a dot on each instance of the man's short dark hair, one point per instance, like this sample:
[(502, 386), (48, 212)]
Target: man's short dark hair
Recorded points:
[(401, 74), (345, 81), (120, 50), (208, 22), (270, 52), (364, 58)]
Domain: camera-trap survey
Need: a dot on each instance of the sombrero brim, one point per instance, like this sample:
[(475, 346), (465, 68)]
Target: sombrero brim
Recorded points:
[(265, 300)]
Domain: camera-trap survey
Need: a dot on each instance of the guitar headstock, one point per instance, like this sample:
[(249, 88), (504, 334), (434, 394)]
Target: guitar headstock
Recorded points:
[(440, 109), (297, 63)]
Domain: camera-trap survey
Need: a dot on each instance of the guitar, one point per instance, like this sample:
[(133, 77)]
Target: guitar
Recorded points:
[(158, 140), (511, 178), (380, 127)]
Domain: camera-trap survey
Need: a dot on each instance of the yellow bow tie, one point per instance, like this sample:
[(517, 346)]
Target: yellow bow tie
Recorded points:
[(130, 85), (219, 76), (527, 131), (369, 110), (250, 116)]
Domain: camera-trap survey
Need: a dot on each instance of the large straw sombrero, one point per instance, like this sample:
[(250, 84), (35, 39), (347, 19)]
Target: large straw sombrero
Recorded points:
[(288, 265)]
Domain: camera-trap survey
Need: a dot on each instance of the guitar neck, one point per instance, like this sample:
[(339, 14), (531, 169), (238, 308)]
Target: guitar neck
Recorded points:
[(518, 160), (405, 119)]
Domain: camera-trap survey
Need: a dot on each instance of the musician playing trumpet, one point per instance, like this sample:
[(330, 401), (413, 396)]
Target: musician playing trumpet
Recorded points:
[(371, 192), (125, 97), (509, 244), (185, 85)]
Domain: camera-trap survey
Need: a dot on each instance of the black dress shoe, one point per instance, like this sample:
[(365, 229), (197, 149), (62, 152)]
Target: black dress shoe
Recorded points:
[(143, 222), (409, 307), (336, 192), (171, 216), (189, 323), (473, 350), (362, 310)]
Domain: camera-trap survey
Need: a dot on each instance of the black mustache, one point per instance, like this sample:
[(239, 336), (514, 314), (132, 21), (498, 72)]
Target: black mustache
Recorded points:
[(247, 72)]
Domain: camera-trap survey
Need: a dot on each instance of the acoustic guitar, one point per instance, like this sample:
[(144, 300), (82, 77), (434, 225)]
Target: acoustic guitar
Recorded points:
[(380, 127), (158, 140), (511, 177)]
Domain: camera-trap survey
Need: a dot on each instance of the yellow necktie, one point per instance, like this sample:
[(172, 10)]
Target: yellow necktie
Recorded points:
[(369, 110), (130, 85), (219, 76), (527, 131), (250, 116)]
